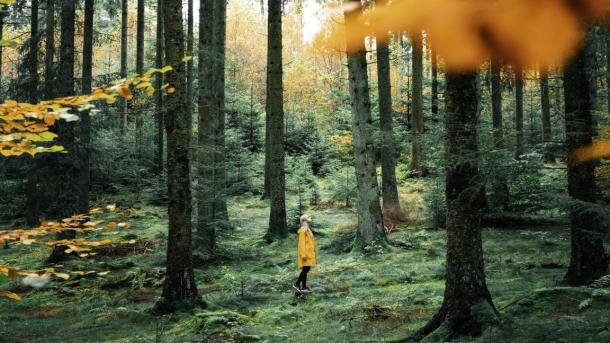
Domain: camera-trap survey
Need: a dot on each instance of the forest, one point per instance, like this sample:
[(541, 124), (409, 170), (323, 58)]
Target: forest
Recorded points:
[(304, 171)]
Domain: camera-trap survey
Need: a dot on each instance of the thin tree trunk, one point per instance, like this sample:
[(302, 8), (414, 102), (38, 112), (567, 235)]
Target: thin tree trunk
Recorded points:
[(32, 89), (159, 113), (63, 179), (123, 72), (2, 15), (434, 95), (85, 122), (417, 167), (588, 260), (608, 67), (388, 163), (179, 287), (140, 71), (370, 219), (190, 37), (220, 174), (519, 149), (49, 58), (466, 294), (545, 101), (500, 186), (206, 233), (275, 112)]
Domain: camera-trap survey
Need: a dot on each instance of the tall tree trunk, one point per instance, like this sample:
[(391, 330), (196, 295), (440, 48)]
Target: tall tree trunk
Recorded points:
[(519, 149), (140, 71), (2, 15), (275, 112), (63, 178), (32, 90), (206, 233), (85, 122), (49, 57), (545, 101), (588, 259), (220, 174), (159, 113), (190, 37), (434, 95), (123, 72), (417, 167), (179, 287), (608, 66), (500, 186), (466, 293), (388, 163), (370, 219)]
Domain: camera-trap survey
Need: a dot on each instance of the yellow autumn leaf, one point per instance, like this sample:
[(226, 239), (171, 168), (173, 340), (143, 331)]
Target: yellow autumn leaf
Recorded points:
[(64, 276), (171, 90), (10, 295), (595, 151)]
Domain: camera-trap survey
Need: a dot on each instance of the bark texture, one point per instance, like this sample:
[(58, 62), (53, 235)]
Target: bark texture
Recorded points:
[(179, 288), (159, 97), (466, 294), (370, 219), (545, 102), (206, 231), (588, 259), (140, 71), (500, 185), (388, 152), (275, 124), (32, 196), (417, 110), (123, 71), (519, 147), (85, 123)]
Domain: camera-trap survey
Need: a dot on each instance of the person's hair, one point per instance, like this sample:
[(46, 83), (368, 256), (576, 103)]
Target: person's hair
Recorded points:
[(305, 220)]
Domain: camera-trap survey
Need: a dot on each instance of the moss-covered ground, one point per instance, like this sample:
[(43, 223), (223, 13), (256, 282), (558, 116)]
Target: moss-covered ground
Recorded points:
[(373, 297)]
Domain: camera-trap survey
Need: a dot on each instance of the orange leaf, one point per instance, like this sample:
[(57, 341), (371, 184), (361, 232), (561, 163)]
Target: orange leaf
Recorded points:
[(595, 151), (111, 225)]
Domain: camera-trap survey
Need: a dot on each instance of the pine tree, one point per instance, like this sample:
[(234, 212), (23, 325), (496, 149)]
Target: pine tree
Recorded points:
[(370, 219), (275, 124), (179, 287)]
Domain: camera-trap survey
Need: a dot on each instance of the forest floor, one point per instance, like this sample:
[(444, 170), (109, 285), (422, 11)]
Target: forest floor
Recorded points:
[(375, 297)]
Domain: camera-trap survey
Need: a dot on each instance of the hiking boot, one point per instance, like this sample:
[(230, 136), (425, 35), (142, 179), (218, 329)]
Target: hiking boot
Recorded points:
[(306, 290)]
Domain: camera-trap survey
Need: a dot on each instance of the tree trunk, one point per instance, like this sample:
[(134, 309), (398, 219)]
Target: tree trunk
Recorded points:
[(49, 57), (499, 184), (32, 90), (85, 122), (370, 219), (434, 86), (123, 72), (417, 71), (545, 101), (206, 234), (2, 15), (159, 113), (63, 176), (608, 67), (519, 149), (275, 113), (388, 163), (179, 288), (190, 37), (220, 174), (466, 293), (140, 71), (588, 260)]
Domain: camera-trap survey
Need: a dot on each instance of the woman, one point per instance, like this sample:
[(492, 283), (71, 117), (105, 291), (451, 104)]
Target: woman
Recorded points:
[(306, 251)]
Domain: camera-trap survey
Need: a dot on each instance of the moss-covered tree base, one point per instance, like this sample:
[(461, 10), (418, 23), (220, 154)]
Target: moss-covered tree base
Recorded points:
[(165, 306)]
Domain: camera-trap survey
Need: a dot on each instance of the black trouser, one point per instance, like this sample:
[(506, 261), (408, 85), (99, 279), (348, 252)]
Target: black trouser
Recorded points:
[(302, 280)]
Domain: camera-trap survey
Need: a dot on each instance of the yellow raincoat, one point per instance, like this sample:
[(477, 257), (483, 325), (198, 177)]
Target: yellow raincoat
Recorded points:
[(306, 248)]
